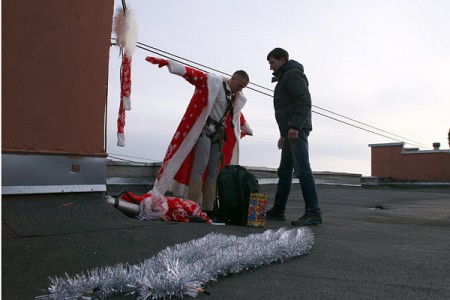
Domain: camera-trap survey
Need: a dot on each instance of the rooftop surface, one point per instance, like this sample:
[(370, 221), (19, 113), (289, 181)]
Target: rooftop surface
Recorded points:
[(375, 243)]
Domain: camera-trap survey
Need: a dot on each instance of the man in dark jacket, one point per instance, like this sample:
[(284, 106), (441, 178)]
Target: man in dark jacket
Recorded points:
[(292, 103)]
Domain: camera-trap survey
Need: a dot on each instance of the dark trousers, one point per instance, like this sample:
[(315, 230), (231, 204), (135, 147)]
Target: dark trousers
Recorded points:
[(295, 157)]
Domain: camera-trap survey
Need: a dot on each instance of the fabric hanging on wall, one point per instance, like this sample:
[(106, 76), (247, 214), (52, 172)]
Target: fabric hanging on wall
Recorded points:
[(126, 32)]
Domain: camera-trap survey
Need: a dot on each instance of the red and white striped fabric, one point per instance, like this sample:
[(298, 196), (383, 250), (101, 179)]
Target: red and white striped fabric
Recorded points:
[(125, 29), (125, 101)]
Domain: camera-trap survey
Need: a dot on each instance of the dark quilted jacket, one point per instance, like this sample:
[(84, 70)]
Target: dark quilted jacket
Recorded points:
[(292, 101)]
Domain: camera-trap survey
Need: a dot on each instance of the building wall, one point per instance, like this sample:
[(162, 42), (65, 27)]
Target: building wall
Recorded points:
[(55, 57), (395, 162)]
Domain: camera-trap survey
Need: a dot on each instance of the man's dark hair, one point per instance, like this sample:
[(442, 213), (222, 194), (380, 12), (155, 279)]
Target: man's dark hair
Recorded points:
[(242, 74), (278, 53)]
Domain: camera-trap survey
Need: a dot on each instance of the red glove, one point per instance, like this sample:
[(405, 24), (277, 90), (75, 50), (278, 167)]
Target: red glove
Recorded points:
[(157, 61)]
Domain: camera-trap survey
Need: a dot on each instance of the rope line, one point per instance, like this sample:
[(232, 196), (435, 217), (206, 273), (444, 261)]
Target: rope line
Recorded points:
[(257, 88)]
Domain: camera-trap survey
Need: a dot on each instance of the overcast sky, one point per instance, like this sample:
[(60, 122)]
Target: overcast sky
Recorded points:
[(385, 63)]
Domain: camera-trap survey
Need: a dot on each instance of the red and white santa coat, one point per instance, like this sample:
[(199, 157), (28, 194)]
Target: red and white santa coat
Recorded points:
[(176, 167)]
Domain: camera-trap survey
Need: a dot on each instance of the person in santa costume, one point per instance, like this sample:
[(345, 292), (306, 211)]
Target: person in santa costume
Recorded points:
[(207, 137)]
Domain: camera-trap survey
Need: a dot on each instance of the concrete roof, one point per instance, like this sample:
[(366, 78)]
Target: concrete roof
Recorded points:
[(360, 252)]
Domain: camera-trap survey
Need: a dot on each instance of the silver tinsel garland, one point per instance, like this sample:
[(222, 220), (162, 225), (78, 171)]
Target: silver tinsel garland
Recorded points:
[(181, 270)]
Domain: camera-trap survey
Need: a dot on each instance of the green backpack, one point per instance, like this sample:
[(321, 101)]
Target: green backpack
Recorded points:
[(234, 185)]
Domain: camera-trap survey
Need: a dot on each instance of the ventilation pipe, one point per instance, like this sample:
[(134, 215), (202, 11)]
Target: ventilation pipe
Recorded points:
[(436, 146)]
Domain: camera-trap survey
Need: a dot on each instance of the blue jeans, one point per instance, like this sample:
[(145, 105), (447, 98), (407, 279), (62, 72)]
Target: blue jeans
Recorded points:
[(295, 156)]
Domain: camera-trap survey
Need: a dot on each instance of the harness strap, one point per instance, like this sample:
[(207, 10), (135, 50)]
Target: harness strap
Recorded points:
[(230, 105)]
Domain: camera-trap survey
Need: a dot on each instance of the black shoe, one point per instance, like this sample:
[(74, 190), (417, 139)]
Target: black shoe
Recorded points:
[(275, 215), (307, 220)]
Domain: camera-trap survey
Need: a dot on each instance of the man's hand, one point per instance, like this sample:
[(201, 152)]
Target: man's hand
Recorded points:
[(293, 133), (280, 143), (157, 61)]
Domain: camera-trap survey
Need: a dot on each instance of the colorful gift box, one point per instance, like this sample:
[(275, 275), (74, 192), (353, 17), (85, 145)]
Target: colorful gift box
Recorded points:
[(257, 210)]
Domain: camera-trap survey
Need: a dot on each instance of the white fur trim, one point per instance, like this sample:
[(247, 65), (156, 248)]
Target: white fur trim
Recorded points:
[(120, 139), (126, 30), (247, 129), (214, 87), (176, 68), (126, 103), (240, 102), (178, 189), (235, 154)]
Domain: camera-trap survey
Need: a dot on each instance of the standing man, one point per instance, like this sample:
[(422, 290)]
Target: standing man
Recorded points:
[(192, 161), (209, 145), (292, 103)]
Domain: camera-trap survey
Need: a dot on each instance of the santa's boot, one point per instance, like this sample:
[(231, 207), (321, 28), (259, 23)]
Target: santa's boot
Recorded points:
[(195, 192), (209, 196)]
